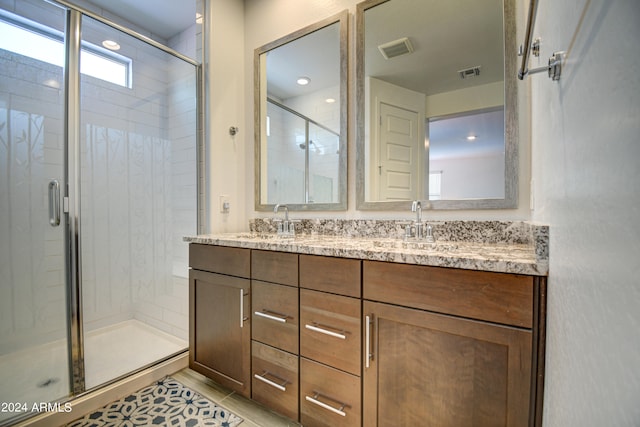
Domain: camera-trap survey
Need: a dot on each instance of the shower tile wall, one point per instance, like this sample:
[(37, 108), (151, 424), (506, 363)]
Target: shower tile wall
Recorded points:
[(159, 135), (139, 188)]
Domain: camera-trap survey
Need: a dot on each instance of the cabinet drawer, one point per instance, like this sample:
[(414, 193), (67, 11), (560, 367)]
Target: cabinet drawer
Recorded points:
[(494, 297), (328, 397), (220, 259), (330, 329), (336, 275), (274, 316), (275, 267), (274, 376)]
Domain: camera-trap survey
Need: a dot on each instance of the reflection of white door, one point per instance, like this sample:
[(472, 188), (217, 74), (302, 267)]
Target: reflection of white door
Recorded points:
[(395, 120), (399, 153)]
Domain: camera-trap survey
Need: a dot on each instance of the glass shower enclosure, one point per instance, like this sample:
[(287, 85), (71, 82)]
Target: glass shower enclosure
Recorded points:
[(98, 184)]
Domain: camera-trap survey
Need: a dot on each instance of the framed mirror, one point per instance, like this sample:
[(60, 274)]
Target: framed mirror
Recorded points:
[(436, 104), (301, 118)]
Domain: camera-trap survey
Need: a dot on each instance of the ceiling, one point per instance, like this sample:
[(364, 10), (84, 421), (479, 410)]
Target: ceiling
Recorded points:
[(448, 136), (447, 36), (316, 56), (164, 18)]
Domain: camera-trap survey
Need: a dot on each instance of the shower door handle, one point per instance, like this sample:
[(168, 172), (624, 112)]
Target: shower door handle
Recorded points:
[(54, 203)]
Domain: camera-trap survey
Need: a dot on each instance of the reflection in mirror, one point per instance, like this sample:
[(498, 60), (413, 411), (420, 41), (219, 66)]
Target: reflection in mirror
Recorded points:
[(466, 156), (300, 102), (436, 104)]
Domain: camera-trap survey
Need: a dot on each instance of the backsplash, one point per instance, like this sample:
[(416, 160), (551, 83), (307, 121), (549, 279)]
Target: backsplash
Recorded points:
[(493, 232)]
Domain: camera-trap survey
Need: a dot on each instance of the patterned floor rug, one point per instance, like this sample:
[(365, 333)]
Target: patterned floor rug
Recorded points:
[(164, 403)]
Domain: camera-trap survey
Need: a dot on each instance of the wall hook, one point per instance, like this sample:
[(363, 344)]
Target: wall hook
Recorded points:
[(233, 130)]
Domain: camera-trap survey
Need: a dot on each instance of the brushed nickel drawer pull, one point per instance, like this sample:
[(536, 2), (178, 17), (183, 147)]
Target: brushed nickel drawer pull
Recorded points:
[(367, 341), (272, 315), (315, 401), (281, 387), (321, 328), (242, 318)]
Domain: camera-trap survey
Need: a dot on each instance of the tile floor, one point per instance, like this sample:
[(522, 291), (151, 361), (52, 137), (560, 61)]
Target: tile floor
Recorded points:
[(254, 414)]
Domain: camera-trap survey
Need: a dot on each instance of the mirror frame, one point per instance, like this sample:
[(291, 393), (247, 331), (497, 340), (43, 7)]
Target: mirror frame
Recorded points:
[(342, 19), (511, 131)]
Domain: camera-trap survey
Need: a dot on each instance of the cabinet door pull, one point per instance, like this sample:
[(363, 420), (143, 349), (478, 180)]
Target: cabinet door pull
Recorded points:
[(272, 315), (367, 341), (316, 327), (315, 401), (242, 308), (264, 379)]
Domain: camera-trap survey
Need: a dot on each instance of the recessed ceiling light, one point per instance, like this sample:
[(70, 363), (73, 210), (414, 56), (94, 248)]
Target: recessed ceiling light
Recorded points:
[(111, 45), (53, 83), (330, 100), (303, 81), (472, 137)]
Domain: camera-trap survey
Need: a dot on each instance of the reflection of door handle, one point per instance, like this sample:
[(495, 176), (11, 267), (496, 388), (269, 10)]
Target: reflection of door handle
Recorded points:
[(54, 203)]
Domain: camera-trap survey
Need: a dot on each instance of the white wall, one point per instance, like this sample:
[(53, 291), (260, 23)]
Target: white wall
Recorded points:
[(469, 177), (586, 166), (226, 156)]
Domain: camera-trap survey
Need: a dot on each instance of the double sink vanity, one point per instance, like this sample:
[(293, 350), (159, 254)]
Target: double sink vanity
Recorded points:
[(366, 322), (350, 323)]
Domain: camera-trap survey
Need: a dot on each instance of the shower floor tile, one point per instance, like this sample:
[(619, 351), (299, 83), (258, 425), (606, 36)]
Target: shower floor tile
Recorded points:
[(116, 350)]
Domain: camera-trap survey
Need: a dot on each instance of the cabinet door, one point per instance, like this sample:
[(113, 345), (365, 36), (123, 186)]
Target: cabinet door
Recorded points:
[(220, 330), (429, 369)]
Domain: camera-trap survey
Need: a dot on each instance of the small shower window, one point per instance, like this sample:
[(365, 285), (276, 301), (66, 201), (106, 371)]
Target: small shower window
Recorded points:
[(27, 38)]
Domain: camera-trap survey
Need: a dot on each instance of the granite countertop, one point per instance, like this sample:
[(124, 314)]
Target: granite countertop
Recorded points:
[(524, 251)]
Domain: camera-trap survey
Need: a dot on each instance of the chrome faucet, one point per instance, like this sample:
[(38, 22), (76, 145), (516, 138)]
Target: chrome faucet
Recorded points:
[(286, 211), (286, 228), (417, 229)]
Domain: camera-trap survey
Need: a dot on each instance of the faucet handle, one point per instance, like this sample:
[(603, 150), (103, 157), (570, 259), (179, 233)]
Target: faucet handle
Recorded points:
[(429, 236)]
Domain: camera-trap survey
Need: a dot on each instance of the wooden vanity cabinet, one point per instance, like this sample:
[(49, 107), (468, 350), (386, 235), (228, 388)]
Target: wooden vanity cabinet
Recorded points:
[(330, 341), (275, 331), (448, 347), (219, 304), (345, 342)]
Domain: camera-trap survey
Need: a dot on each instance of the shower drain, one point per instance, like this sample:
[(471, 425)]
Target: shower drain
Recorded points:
[(48, 382)]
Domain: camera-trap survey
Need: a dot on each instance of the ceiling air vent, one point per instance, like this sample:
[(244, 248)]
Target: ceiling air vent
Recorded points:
[(469, 72), (396, 48)]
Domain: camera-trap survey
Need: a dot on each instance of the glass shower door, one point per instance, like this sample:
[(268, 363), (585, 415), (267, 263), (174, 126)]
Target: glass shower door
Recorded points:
[(138, 198), (34, 362)]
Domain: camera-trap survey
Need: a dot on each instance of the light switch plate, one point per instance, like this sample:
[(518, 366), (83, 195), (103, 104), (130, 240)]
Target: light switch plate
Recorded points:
[(225, 204)]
